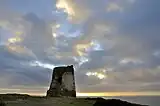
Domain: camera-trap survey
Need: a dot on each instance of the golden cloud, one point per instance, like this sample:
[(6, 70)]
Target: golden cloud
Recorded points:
[(20, 50), (81, 48), (100, 73), (76, 13), (14, 40)]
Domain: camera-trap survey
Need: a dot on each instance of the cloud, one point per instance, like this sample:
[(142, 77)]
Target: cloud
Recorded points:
[(16, 34), (135, 80), (114, 7), (112, 50), (129, 38), (73, 10), (129, 60)]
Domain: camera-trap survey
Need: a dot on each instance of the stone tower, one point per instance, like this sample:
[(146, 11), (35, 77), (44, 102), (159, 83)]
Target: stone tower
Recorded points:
[(63, 82)]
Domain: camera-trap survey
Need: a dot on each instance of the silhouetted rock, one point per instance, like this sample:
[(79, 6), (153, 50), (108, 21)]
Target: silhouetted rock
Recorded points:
[(63, 83), (113, 102), (95, 99)]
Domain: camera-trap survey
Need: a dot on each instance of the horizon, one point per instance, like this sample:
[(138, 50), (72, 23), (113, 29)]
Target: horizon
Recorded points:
[(98, 94)]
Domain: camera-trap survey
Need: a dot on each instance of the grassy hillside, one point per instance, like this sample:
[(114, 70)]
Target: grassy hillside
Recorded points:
[(26, 100), (51, 102)]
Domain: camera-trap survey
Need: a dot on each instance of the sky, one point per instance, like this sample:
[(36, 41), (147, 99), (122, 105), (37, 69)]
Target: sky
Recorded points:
[(114, 45)]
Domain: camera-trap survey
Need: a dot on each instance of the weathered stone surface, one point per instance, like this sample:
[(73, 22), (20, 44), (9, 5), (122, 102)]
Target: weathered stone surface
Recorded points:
[(63, 82)]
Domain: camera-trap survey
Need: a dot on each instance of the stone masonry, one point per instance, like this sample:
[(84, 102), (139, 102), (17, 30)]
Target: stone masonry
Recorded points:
[(63, 82)]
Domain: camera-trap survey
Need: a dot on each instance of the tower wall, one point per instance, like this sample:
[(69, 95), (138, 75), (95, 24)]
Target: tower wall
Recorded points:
[(63, 82)]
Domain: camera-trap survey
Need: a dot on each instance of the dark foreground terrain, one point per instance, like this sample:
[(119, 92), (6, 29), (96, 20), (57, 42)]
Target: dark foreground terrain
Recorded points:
[(26, 100)]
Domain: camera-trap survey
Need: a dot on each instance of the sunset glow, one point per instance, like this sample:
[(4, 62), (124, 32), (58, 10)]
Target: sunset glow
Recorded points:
[(103, 94)]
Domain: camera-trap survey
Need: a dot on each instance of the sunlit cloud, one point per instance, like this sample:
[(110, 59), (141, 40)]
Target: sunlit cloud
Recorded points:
[(11, 34), (81, 49), (20, 50), (16, 48), (54, 35), (96, 74), (14, 40), (73, 10), (40, 64), (58, 26), (84, 48), (96, 45), (81, 60), (55, 31), (131, 60), (63, 4), (111, 7)]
